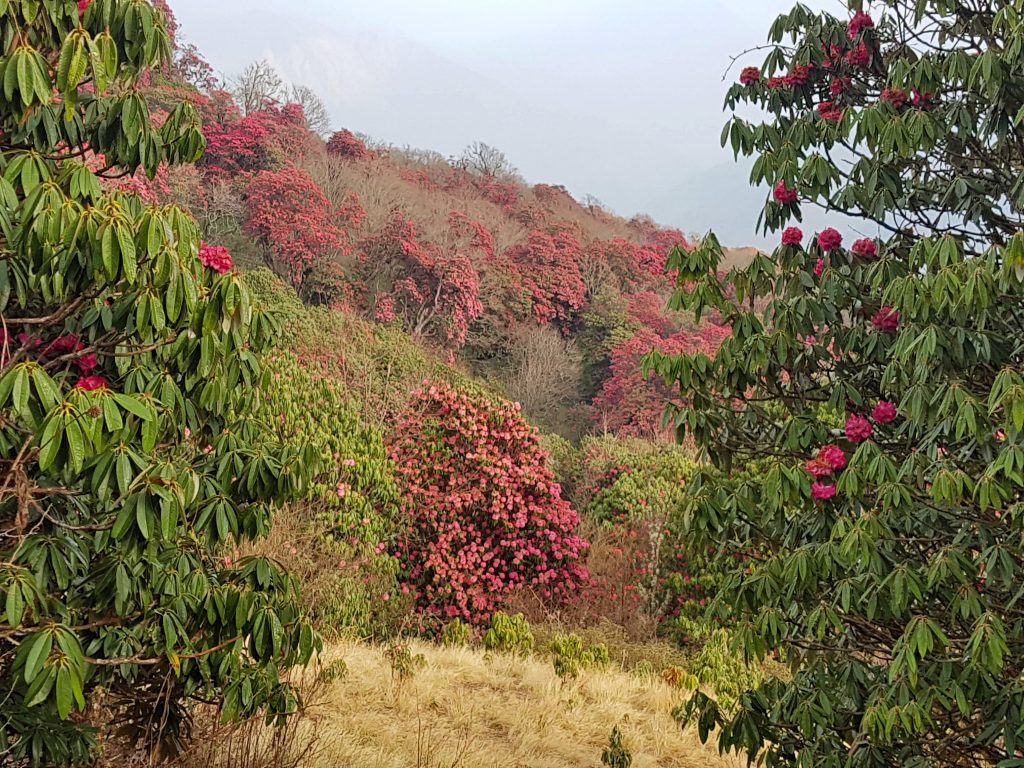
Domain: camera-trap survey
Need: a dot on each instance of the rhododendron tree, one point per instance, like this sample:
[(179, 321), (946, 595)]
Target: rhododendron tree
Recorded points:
[(296, 223), (631, 404), (262, 140), (484, 515), (128, 461), (550, 269), (892, 585), (435, 288)]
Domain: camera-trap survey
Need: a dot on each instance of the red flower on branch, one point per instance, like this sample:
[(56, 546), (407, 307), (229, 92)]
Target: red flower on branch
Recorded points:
[(92, 383), (793, 237), (866, 248), (834, 456), (216, 257), (886, 320), (884, 413), (784, 195), (823, 491), (830, 240), (858, 429), (750, 75), (858, 24)]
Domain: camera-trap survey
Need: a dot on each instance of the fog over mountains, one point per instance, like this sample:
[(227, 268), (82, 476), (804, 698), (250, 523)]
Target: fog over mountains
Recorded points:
[(614, 99)]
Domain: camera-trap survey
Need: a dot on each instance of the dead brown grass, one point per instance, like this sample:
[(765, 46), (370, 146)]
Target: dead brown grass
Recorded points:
[(466, 710)]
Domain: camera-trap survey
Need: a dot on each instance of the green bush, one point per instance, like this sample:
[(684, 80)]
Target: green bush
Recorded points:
[(456, 634), (570, 656), (509, 634)]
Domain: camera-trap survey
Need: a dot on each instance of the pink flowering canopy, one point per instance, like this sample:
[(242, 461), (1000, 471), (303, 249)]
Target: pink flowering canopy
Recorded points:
[(484, 515), (866, 414)]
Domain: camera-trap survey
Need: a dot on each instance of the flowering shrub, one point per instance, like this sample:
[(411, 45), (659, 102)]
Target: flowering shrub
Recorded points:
[(550, 269), (631, 404), (346, 144), (483, 514), (296, 223), (435, 290)]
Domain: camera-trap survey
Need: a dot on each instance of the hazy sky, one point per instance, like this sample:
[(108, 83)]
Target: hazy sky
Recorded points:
[(621, 99)]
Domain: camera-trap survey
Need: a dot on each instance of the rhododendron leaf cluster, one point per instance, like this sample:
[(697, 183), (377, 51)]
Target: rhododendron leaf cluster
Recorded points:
[(883, 399), (484, 515), (130, 363)]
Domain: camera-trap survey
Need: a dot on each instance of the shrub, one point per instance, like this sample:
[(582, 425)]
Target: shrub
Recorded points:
[(456, 634), (484, 516), (129, 369), (404, 663), (616, 756), (509, 634), (570, 656)]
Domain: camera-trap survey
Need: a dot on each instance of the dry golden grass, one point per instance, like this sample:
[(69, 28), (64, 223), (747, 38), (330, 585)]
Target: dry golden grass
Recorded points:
[(466, 711)]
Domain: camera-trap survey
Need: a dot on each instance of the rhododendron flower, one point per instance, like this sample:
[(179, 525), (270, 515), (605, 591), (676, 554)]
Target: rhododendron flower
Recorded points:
[(87, 364), (216, 257), (830, 240), (83, 6), (895, 97), (859, 56), (750, 75), (92, 383), (884, 413), (384, 312), (834, 456), (775, 83), (858, 24), (63, 345), (886, 320), (819, 268), (866, 248), (923, 100), (818, 468), (793, 236), (858, 429), (829, 112), (838, 86), (823, 491), (801, 75), (784, 195)]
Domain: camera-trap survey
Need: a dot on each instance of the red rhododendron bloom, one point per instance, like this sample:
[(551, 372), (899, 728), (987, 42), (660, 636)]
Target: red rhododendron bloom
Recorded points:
[(830, 240), (750, 75), (62, 345), (793, 236), (834, 456), (858, 429), (923, 100), (775, 83), (819, 268), (838, 86), (92, 383), (818, 468), (784, 195), (83, 6), (859, 56), (858, 24), (87, 364), (866, 248), (823, 491), (886, 320), (830, 112), (801, 75), (884, 413), (215, 257), (895, 97)]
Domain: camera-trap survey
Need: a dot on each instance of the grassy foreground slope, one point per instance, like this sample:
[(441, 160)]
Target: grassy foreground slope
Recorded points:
[(464, 710)]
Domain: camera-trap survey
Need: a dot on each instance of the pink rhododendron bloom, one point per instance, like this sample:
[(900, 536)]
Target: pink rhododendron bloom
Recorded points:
[(895, 97), (784, 195), (923, 101), (886, 320), (87, 364), (834, 456), (884, 413), (92, 383), (865, 248), (819, 268), (216, 257), (818, 468), (830, 240), (858, 429), (750, 75), (823, 491), (858, 24), (859, 56), (793, 236), (83, 6)]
